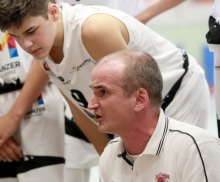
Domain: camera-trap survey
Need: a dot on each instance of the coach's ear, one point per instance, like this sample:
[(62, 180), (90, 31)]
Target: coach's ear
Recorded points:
[(53, 11), (142, 100)]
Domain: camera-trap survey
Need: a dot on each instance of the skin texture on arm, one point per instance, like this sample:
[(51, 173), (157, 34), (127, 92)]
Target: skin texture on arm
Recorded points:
[(35, 82), (103, 34), (156, 9)]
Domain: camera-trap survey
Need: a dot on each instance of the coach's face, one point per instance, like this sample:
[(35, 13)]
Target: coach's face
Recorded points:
[(112, 109)]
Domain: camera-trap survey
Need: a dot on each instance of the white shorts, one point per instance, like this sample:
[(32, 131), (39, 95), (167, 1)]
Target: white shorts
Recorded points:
[(41, 134)]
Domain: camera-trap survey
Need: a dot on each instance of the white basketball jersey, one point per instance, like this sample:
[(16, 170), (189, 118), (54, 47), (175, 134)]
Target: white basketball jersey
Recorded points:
[(14, 62), (72, 75), (128, 6), (75, 69)]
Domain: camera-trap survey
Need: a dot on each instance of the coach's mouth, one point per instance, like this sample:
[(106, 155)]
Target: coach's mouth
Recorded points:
[(98, 118)]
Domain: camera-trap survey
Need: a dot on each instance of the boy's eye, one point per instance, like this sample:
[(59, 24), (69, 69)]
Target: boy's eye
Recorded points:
[(14, 36), (30, 32)]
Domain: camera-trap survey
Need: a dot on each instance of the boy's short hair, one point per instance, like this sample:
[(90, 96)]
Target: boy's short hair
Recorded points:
[(14, 12)]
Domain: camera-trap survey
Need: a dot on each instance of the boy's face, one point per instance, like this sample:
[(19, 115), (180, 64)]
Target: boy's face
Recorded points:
[(36, 36)]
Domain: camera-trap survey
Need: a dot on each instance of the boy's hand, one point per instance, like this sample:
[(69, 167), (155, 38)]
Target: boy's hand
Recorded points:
[(10, 150), (8, 126)]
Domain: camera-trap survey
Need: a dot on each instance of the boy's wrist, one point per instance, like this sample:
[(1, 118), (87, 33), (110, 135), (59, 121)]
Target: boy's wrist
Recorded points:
[(16, 116)]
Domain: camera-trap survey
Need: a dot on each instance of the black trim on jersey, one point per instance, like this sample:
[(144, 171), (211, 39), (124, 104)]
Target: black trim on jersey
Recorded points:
[(113, 141), (197, 149), (73, 130), (10, 87), (218, 126), (111, 136), (8, 169), (123, 155), (163, 137), (29, 162), (171, 94), (213, 35)]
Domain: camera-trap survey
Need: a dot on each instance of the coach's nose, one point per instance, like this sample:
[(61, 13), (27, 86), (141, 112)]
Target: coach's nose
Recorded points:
[(93, 103)]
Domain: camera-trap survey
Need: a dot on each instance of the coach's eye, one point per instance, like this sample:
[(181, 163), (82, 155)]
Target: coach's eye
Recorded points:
[(103, 92)]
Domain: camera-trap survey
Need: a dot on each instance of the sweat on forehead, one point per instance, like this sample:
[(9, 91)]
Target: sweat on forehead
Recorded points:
[(125, 57), (114, 57), (110, 67)]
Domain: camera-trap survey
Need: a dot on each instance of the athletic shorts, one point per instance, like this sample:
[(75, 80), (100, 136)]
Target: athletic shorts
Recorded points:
[(41, 135)]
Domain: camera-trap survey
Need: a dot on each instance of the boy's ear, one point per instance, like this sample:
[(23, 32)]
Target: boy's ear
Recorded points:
[(142, 99), (53, 11)]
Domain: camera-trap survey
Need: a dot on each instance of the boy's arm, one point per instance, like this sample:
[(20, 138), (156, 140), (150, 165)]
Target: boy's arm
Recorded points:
[(103, 34), (35, 82), (156, 9), (100, 39)]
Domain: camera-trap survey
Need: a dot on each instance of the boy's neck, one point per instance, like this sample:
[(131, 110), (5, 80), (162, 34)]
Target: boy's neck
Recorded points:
[(56, 54), (60, 32)]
